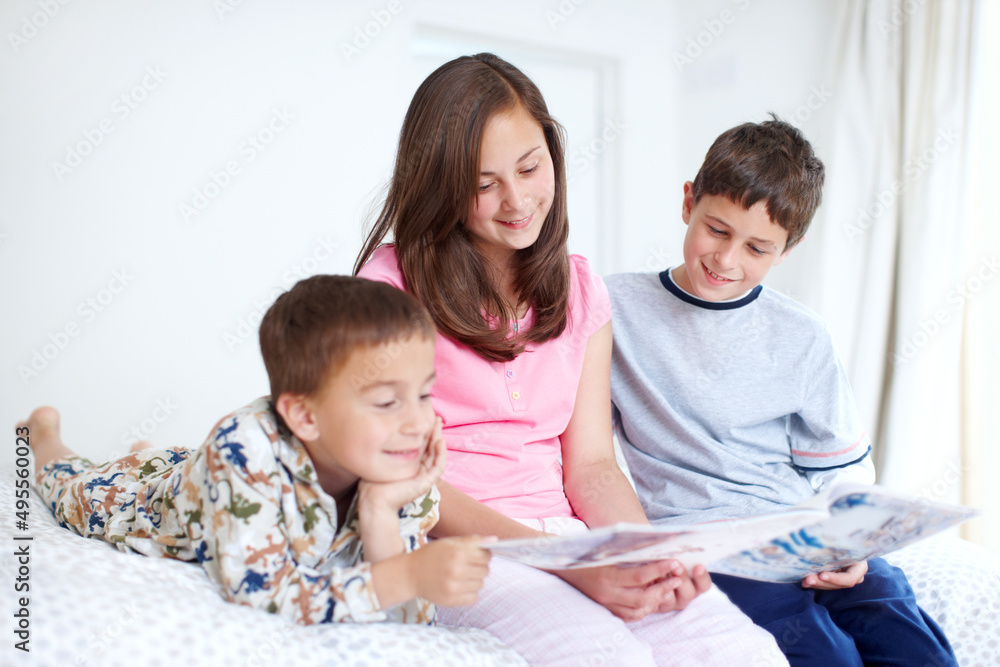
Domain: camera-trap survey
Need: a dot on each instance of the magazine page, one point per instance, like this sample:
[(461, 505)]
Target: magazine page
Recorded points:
[(635, 543), (864, 522)]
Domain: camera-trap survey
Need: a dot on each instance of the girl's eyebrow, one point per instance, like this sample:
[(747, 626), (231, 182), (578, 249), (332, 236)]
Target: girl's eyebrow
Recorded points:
[(520, 159)]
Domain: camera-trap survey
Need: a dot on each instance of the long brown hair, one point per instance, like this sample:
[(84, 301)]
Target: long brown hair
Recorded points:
[(433, 184)]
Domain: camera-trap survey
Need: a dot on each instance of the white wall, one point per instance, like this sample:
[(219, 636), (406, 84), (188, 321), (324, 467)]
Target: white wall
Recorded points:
[(175, 327)]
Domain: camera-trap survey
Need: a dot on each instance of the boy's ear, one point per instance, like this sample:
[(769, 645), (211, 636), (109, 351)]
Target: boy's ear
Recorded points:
[(688, 202), (295, 409), (786, 252)]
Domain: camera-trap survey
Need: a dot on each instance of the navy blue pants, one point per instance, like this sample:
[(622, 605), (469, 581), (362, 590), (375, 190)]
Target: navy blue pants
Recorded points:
[(876, 622)]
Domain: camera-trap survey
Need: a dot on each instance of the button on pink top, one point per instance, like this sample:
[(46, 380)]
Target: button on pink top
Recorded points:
[(503, 421)]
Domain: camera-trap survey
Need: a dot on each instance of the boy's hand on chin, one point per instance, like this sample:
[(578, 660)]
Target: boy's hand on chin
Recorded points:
[(393, 495), (844, 578)]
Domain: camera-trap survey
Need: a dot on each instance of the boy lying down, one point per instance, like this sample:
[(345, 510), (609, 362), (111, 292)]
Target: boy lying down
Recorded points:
[(313, 502)]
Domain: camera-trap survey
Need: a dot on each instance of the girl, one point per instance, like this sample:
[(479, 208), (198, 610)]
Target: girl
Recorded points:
[(477, 211)]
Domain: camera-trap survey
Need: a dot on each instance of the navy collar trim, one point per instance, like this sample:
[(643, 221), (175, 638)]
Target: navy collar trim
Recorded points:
[(672, 287)]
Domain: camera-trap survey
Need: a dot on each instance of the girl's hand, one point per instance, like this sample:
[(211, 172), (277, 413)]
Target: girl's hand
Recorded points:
[(844, 578), (689, 587), (632, 592), (393, 495)]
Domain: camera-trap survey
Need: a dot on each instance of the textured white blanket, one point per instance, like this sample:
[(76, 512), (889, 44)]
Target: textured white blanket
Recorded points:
[(93, 605)]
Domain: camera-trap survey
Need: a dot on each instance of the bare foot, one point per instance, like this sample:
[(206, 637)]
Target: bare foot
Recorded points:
[(141, 445), (45, 437)]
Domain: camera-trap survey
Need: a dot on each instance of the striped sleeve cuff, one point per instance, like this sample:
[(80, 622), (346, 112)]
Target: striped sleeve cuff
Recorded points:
[(832, 457)]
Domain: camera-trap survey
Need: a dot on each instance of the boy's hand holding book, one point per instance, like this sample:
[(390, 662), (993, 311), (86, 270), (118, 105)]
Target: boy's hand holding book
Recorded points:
[(847, 577)]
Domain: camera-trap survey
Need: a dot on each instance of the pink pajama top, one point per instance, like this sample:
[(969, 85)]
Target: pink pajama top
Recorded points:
[(503, 421)]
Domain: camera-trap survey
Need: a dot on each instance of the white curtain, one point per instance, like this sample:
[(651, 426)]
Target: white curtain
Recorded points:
[(899, 254)]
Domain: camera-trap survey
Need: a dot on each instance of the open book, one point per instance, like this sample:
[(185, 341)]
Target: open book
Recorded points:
[(840, 526)]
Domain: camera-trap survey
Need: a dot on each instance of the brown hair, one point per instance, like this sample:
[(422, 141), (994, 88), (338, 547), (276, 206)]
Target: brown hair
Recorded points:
[(434, 183), (309, 332), (769, 161)]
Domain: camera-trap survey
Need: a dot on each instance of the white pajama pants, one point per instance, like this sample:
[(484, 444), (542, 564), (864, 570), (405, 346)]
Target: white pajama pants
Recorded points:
[(552, 624)]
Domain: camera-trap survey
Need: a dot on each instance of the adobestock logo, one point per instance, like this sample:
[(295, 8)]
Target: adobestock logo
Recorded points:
[(704, 39), (266, 652), (88, 309), (962, 292), (565, 9), (127, 615), (363, 35), (802, 113), (246, 326), (900, 12), (224, 7), (219, 180), (147, 426), (580, 159), (121, 108), (912, 170), (30, 26)]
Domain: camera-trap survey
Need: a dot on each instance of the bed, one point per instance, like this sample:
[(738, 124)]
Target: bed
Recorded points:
[(93, 605)]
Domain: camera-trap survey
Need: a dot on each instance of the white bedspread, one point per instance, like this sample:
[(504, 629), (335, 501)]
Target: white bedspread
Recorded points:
[(93, 605)]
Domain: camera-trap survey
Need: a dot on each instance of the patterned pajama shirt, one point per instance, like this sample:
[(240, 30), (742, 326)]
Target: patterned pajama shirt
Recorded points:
[(246, 506)]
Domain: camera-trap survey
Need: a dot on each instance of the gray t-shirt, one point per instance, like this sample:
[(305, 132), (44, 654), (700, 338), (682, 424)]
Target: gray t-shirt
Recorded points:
[(723, 409)]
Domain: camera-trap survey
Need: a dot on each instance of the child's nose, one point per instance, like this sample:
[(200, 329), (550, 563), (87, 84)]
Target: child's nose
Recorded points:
[(727, 254), (418, 420), (514, 196)]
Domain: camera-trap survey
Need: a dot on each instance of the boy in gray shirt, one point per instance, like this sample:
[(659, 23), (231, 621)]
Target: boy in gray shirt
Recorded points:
[(730, 401)]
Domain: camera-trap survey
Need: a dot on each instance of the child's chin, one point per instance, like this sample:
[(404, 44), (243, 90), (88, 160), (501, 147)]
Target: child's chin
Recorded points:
[(399, 474)]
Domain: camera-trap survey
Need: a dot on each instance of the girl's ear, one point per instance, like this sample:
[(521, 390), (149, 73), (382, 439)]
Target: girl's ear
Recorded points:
[(298, 415)]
